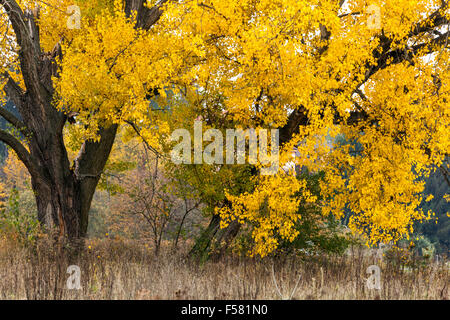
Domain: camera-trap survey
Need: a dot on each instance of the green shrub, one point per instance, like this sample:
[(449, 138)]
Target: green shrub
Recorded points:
[(18, 222), (317, 234)]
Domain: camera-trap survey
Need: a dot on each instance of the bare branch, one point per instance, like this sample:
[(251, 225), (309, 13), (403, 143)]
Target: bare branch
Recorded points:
[(295, 288), (138, 132), (275, 282)]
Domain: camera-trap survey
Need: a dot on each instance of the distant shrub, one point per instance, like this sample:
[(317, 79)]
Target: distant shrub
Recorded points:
[(417, 252), (23, 225)]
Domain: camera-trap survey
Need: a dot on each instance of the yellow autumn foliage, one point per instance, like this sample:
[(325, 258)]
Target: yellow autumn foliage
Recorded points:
[(269, 58)]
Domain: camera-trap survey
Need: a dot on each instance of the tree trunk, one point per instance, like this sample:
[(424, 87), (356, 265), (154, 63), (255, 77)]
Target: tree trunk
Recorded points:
[(213, 241), (200, 250), (58, 204), (64, 194)]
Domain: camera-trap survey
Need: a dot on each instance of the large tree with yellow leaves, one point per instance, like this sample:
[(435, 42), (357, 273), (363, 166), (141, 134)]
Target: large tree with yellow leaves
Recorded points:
[(374, 71), (35, 36)]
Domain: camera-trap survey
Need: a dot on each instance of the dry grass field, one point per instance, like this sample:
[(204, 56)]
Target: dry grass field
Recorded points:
[(113, 269)]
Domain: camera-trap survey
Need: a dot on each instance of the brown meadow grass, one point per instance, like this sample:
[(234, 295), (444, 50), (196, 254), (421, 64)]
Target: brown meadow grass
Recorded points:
[(119, 269)]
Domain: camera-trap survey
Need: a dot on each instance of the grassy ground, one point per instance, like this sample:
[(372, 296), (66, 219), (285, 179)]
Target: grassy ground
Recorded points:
[(112, 269)]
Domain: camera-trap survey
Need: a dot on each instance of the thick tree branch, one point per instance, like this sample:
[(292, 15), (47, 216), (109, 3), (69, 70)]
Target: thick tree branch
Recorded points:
[(436, 19), (146, 17), (387, 58), (93, 156), (151, 16), (89, 166), (297, 118), (12, 89), (392, 57), (21, 152), (12, 119), (23, 24), (27, 37)]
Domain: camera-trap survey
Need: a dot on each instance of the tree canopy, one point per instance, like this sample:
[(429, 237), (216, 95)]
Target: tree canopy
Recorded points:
[(312, 69)]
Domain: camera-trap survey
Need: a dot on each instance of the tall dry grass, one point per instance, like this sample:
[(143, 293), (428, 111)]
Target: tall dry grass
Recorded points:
[(115, 269)]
